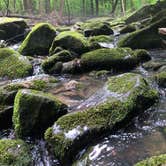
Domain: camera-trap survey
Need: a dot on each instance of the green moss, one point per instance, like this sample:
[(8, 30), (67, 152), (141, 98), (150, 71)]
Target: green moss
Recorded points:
[(153, 161), (116, 59), (14, 153), (13, 65), (96, 28), (74, 131), (101, 38), (34, 111), (161, 78), (39, 40), (62, 56), (147, 37), (72, 41)]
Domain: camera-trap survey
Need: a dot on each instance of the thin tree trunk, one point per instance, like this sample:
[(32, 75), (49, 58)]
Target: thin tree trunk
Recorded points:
[(92, 7), (97, 7)]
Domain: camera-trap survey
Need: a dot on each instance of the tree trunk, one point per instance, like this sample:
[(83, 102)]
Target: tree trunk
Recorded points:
[(97, 7), (47, 6), (91, 7)]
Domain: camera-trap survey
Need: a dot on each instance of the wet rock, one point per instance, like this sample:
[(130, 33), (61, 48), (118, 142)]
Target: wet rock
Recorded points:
[(128, 95), (52, 65), (39, 40), (72, 41), (12, 29), (14, 152), (34, 111), (13, 65), (146, 38), (6, 113), (96, 28), (153, 161), (146, 11)]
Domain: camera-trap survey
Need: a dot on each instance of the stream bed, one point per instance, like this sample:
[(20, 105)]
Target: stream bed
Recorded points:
[(145, 135)]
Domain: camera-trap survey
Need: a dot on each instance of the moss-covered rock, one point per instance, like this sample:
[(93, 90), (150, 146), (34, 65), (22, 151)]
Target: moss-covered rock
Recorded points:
[(13, 65), (147, 11), (128, 28), (72, 41), (39, 40), (50, 65), (147, 37), (153, 65), (14, 153), (153, 161), (12, 29), (101, 39), (116, 59), (161, 78), (129, 94), (34, 111), (96, 28)]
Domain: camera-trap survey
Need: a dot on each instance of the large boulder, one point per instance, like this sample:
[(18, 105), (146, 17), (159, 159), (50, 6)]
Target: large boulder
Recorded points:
[(161, 78), (39, 40), (12, 29), (34, 111), (146, 11), (14, 153), (153, 161), (72, 41), (9, 91), (13, 65), (96, 28), (128, 95), (146, 38)]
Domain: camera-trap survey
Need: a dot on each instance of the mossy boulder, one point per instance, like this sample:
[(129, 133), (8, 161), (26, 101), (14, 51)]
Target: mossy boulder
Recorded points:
[(72, 41), (14, 153), (96, 28), (116, 59), (146, 11), (129, 94), (161, 78), (101, 39), (39, 40), (153, 65), (153, 161), (146, 38), (128, 28), (13, 65), (12, 29), (50, 65), (34, 111)]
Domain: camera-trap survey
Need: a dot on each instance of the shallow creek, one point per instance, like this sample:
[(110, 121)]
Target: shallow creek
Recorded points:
[(143, 137)]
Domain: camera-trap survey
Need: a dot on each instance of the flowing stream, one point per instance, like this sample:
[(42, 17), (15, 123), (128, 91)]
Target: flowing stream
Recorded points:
[(145, 135)]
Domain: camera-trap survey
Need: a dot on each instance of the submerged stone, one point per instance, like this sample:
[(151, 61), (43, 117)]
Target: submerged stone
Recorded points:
[(14, 153), (153, 161), (39, 40), (128, 95), (34, 111), (13, 65), (12, 29)]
